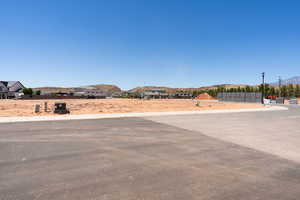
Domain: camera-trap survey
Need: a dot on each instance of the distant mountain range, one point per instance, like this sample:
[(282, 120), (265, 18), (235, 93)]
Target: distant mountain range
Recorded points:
[(174, 90), (293, 80), (115, 89)]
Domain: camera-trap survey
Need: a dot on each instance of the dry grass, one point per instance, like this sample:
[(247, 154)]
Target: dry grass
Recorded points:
[(9, 108)]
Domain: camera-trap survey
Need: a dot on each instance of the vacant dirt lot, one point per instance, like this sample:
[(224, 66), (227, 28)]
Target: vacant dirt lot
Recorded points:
[(93, 106)]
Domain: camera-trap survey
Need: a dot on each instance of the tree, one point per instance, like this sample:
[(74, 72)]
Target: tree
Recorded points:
[(27, 91), (297, 91), (38, 92), (276, 92), (260, 88), (283, 90), (247, 89), (290, 90), (213, 92), (195, 93), (267, 89), (272, 91)]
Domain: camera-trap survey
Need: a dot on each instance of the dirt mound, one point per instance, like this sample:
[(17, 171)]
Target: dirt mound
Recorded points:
[(205, 96)]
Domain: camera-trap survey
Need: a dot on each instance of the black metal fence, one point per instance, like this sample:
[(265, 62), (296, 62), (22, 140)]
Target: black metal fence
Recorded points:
[(251, 97)]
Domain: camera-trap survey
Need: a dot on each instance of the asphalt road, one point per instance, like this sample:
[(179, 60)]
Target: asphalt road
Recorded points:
[(176, 158)]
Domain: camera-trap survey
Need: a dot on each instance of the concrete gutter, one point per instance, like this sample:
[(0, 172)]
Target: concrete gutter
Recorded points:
[(122, 115)]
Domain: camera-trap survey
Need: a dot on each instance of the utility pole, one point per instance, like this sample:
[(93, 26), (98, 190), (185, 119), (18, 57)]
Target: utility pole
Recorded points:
[(279, 84), (263, 88)]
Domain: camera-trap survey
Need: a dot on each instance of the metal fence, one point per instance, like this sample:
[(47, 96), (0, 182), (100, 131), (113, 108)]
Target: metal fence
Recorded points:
[(251, 97)]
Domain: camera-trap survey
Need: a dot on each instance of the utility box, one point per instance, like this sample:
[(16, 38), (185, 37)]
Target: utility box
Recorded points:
[(280, 100), (61, 108), (37, 108)]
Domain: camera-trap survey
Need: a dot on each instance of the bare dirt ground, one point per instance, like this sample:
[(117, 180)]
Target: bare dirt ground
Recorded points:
[(13, 108)]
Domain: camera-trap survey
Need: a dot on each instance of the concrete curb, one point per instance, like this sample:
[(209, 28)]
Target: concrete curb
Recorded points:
[(122, 115)]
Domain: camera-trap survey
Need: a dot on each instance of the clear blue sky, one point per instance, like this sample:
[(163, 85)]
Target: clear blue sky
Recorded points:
[(177, 43)]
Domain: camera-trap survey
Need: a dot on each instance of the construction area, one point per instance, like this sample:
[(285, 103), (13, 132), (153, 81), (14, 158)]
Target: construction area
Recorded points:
[(19, 108)]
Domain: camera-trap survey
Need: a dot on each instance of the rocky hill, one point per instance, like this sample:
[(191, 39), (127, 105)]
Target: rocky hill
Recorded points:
[(144, 88), (107, 88), (115, 89), (102, 87), (174, 90)]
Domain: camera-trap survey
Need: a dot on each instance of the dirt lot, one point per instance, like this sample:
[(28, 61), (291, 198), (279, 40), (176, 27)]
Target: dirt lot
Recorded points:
[(93, 106)]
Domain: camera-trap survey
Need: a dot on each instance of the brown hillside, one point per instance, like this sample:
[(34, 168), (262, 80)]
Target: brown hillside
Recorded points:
[(143, 89), (227, 86), (174, 90), (103, 87), (107, 88)]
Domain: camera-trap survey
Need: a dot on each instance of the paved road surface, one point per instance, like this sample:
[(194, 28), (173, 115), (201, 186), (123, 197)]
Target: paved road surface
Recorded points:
[(276, 133), (184, 157)]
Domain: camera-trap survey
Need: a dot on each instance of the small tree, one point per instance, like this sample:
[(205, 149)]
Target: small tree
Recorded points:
[(272, 91), (38, 92), (297, 91), (27, 91), (283, 90), (290, 90), (247, 89)]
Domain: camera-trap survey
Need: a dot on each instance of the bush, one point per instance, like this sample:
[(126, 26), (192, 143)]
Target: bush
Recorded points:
[(38, 92), (27, 91)]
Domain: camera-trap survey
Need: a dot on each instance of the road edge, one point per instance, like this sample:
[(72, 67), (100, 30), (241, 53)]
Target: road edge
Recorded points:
[(124, 115)]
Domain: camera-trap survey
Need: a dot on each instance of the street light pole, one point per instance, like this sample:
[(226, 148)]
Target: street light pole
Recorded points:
[(279, 84), (263, 88)]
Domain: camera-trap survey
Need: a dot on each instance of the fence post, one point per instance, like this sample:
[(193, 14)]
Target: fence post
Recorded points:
[(46, 106)]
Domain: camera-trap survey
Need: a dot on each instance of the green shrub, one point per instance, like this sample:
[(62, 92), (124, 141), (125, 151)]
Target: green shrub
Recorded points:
[(38, 92), (27, 91)]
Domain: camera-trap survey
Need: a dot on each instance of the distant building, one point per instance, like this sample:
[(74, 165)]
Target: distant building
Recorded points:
[(10, 89), (182, 95), (90, 93), (155, 94), (64, 94), (59, 93)]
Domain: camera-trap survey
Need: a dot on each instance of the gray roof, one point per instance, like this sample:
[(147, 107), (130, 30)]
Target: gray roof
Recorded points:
[(12, 86), (3, 87), (11, 83)]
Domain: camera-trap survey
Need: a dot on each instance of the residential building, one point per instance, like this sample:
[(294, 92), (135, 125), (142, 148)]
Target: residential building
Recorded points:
[(155, 94), (90, 93), (10, 89), (182, 95)]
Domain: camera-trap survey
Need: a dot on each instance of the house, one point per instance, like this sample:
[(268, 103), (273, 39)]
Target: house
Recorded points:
[(182, 95), (10, 89), (90, 93), (155, 94)]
